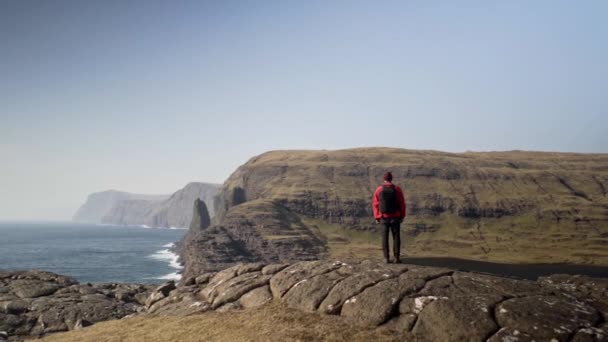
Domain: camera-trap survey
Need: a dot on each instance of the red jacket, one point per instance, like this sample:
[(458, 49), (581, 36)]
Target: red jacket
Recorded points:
[(376, 204)]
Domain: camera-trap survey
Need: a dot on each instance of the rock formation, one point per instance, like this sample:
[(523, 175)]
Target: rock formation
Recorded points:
[(257, 231), (412, 302), (35, 303), (200, 216), (100, 203), (153, 211), (496, 206), (421, 303)]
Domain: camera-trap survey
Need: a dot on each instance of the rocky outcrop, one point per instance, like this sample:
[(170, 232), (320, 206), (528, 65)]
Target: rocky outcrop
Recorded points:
[(500, 206), (421, 303), (412, 302), (100, 203), (200, 216), (35, 303), (257, 231), (119, 208)]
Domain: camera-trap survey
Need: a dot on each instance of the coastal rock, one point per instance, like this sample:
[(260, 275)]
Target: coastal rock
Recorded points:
[(257, 231), (160, 293), (35, 303), (307, 294), (546, 317), (298, 273), (455, 319), (353, 285), (422, 303), (204, 278), (256, 297), (200, 216)]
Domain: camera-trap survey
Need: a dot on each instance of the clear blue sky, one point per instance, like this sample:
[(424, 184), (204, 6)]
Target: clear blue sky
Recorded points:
[(145, 96)]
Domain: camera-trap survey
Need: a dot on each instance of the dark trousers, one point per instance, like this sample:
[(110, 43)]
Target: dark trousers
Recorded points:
[(391, 225)]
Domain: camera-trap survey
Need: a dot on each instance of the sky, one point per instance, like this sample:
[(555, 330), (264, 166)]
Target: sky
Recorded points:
[(146, 96)]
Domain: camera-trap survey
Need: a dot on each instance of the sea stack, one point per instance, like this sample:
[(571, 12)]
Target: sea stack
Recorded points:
[(200, 217)]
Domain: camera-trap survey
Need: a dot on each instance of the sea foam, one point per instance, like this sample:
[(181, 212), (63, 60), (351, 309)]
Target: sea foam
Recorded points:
[(169, 256), (171, 276)]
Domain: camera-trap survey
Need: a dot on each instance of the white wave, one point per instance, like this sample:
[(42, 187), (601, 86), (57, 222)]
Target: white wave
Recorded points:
[(171, 276), (169, 245), (167, 255), (177, 228)]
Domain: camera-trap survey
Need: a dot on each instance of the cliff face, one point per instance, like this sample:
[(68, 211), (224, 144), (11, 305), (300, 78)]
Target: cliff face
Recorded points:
[(257, 231), (176, 211), (100, 203), (121, 208), (500, 206)]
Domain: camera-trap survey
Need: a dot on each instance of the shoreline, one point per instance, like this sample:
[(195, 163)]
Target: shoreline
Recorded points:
[(168, 254)]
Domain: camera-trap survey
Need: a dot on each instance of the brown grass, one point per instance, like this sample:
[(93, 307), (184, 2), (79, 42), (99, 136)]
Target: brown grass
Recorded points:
[(273, 322)]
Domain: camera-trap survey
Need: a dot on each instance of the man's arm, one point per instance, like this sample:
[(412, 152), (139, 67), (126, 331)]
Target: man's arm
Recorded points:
[(376, 204), (402, 206)]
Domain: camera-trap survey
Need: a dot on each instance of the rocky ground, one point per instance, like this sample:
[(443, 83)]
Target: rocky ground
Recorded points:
[(412, 302), (420, 303), (35, 303)]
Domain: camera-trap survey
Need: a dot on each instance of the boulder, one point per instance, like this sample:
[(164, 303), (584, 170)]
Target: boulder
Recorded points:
[(232, 290), (546, 317), (161, 292), (35, 303), (256, 297), (307, 294), (454, 319), (378, 303), (30, 288), (282, 281), (351, 286)]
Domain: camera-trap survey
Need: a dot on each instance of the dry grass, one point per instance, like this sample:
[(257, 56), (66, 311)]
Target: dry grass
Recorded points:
[(272, 322)]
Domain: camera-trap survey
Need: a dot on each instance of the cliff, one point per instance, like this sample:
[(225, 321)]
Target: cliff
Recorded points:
[(257, 231), (99, 203), (176, 211), (156, 211), (499, 206)]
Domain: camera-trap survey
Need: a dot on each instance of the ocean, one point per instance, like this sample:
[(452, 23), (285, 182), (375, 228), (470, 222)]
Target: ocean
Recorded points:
[(91, 253)]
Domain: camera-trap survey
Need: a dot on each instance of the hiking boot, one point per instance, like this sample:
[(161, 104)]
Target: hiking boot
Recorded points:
[(388, 261), (397, 260)]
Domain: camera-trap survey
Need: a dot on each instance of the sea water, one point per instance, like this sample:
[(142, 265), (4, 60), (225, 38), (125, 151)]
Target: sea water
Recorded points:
[(91, 253)]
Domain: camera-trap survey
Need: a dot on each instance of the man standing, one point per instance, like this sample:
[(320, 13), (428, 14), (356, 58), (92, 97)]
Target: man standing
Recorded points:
[(389, 208)]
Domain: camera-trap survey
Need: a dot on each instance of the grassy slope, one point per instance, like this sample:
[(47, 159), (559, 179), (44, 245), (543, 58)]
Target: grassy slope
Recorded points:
[(269, 323), (560, 199)]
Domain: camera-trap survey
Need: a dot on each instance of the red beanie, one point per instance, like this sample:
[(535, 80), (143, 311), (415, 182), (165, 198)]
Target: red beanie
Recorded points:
[(388, 176)]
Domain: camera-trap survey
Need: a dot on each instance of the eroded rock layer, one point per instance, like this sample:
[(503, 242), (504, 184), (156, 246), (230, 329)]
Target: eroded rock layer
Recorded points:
[(423, 303), (35, 303), (499, 206), (257, 231)]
